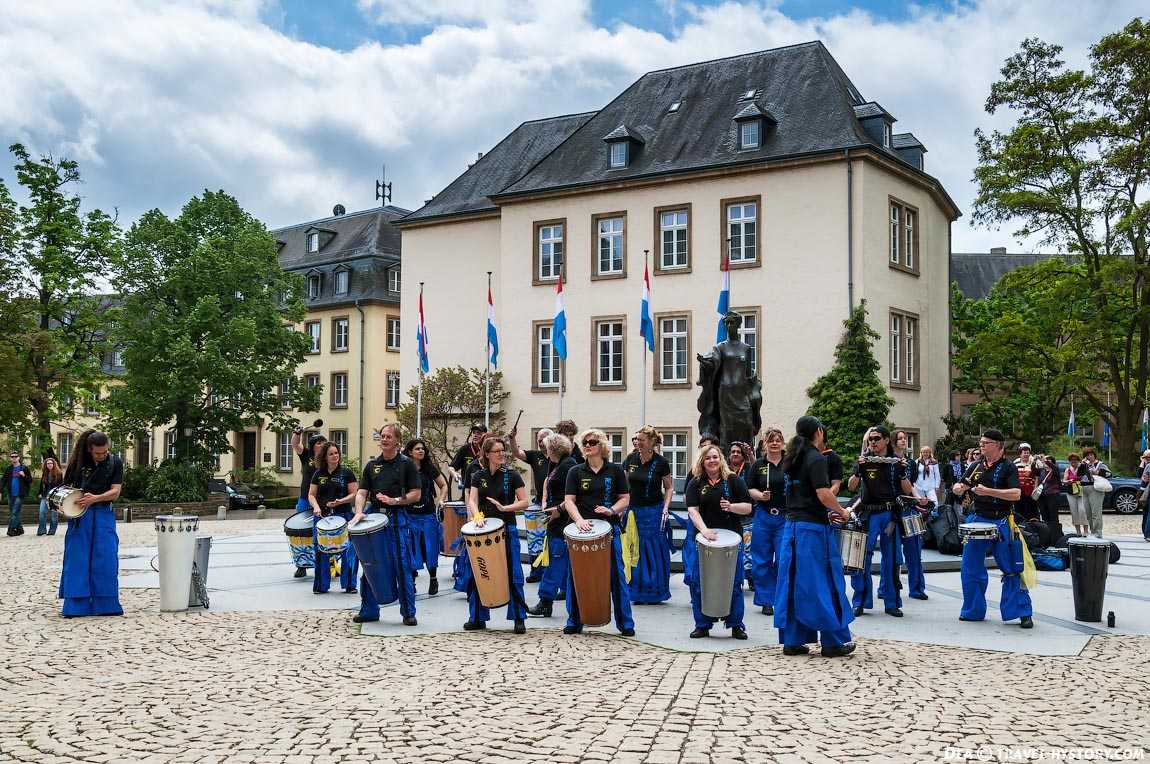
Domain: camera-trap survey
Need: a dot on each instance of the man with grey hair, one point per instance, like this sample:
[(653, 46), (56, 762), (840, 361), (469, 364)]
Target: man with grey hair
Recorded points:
[(536, 519)]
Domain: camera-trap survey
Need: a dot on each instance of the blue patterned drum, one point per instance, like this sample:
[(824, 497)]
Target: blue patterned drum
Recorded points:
[(298, 529), (331, 534), (536, 520)]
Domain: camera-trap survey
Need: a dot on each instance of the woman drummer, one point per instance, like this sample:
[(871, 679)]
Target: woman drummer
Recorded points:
[(716, 499), (598, 489), (767, 484), (811, 603), (89, 583), (497, 491), (425, 532), (649, 480), (332, 492), (554, 583), (740, 457)]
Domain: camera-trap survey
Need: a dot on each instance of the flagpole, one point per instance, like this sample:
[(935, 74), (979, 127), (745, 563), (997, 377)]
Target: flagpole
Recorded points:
[(1109, 434), (419, 365), (487, 376), (643, 405)]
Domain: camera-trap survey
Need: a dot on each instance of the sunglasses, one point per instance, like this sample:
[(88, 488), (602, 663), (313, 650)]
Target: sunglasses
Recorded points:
[(874, 439), (590, 442)]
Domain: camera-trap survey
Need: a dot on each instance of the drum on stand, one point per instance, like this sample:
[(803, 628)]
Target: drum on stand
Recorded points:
[(454, 518), (536, 520), (717, 560), (487, 551), (371, 548), (65, 500), (298, 529), (590, 556), (1089, 563), (331, 534), (852, 547)]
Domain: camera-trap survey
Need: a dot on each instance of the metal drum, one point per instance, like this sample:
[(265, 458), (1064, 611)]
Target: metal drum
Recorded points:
[(487, 551), (298, 529), (65, 500), (978, 532), (331, 534), (536, 520), (912, 524), (717, 560), (852, 547), (590, 555), (1089, 564), (375, 556), (454, 518)]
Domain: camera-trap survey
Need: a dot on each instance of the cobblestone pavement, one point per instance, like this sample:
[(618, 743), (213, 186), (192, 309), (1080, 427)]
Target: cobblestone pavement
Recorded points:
[(305, 687)]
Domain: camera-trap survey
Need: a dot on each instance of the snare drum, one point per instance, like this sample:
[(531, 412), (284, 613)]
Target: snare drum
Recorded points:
[(852, 547), (65, 500), (590, 556), (487, 551), (717, 560), (978, 532), (454, 518), (912, 525), (298, 529), (331, 534)]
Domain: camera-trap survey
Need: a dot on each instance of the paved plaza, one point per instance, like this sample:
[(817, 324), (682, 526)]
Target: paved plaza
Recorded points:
[(274, 673)]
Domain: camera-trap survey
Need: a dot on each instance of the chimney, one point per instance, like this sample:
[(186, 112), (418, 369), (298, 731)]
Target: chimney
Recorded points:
[(338, 210), (479, 157), (998, 250)]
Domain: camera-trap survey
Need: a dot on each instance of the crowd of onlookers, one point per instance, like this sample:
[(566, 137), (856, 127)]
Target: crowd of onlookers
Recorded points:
[(17, 484)]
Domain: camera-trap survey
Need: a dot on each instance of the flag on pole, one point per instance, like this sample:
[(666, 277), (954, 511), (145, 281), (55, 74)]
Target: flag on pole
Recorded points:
[(1105, 433), (559, 326), (1070, 424), (646, 328), (1145, 412), (421, 337), (724, 300), (492, 335)]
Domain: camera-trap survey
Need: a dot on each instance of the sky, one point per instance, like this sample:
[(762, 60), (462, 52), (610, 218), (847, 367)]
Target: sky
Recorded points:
[(294, 106)]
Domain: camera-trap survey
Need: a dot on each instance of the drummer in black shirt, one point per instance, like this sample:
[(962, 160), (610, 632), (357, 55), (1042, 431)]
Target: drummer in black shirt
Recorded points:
[(497, 491), (767, 485), (651, 488), (994, 483), (715, 499), (308, 461), (333, 489), (598, 490), (540, 465), (466, 456), (555, 570)]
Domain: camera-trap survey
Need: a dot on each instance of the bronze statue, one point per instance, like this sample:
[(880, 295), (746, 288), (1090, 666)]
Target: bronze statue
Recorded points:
[(731, 394)]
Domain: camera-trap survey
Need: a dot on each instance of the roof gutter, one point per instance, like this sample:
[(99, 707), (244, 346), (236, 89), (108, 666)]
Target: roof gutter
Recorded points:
[(850, 233)]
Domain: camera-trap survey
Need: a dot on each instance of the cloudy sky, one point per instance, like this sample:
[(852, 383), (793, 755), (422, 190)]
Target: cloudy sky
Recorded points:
[(294, 105)]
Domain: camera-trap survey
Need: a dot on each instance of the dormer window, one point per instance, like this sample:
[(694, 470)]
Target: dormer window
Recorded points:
[(618, 154), (342, 277), (886, 135), (393, 280), (751, 121), (317, 238), (313, 241), (750, 134), (314, 281), (622, 145)]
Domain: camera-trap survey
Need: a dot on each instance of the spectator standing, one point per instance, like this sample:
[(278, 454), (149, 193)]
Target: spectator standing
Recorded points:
[(1079, 509), (1144, 497), (951, 473), (51, 476), (1027, 479), (17, 481), (1088, 470), (1051, 482)]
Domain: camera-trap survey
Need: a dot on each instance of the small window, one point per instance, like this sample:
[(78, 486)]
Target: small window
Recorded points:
[(117, 359), (392, 389), (673, 350), (675, 452), (339, 438), (895, 224), (392, 333), (92, 405), (313, 242), (674, 107), (311, 380), (313, 332), (749, 134), (170, 444), (393, 282), (908, 245), (619, 154), (340, 330), (64, 447), (285, 394), (547, 359), (749, 95), (749, 333), (742, 232), (548, 251), (313, 286), (285, 455), (339, 390), (895, 347), (341, 281), (886, 134)]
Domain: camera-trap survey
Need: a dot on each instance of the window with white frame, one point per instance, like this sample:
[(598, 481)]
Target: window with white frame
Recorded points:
[(393, 389), (904, 237), (284, 452), (392, 333), (749, 333), (895, 233), (886, 139), (64, 447), (610, 246), (313, 329), (895, 347), (311, 380), (313, 286), (92, 405), (339, 438), (547, 359), (673, 235), (908, 252), (285, 394), (550, 252), (313, 242), (673, 344), (675, 452), (615, 438), (342, 277), (609, 353), (170, 444), (904, 349), (393, 280), (117, 358), (619, 154), (339, 390), (742, 231), (340, 328), (749, 134)]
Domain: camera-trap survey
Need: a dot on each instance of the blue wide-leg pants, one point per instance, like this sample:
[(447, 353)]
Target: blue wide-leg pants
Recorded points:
[(651, 578), (394, 575), (89, 583), (766, 535), (694, 583), (862, 583), (1015, 599), (517, 605), (554, 582), (620, 592), (811, 602)]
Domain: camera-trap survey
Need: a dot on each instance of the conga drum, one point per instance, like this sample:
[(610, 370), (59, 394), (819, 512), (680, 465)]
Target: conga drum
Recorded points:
[(331, 534), (298, 529), (454, 518), (590, 555), (1089, 564), (536, 520), (717, 561), (487, 551), (370, 544)]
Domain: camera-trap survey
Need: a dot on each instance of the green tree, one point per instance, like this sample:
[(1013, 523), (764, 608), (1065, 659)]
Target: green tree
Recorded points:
[(206, 323), (850, 397), (453, 396), (54, 260), (1073, 171)]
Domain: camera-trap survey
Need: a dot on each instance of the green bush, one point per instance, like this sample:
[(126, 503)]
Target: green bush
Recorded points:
[(281, 502), (136, 481), (260, 477), (174, 481)]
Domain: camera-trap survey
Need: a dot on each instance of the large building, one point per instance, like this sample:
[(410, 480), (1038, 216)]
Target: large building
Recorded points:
[(773, 159)]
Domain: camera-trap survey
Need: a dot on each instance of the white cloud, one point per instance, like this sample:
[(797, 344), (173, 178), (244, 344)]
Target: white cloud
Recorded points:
[(158, 102)]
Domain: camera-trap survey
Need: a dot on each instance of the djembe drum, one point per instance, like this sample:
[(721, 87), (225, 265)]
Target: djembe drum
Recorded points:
[(590, 555), (487, 551)]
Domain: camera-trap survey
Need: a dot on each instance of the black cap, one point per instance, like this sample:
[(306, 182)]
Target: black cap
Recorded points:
[(995, 435), (807, 426), (477, 428), (315, 439)]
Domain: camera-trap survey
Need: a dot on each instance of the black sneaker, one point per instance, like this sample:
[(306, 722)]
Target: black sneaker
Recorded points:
[(1026, 622), (520, 627), (363, 619), (964, 618), (572, 629), (768, 610), (433, 587), (535, 577), (410, 621), (859, 610), (627, 632), (838, 651), (474, 626), (300, 572), (351, 590), (796, 650), (541, 610), (738, 632), (896, 612), (700, 633), (922, 596)]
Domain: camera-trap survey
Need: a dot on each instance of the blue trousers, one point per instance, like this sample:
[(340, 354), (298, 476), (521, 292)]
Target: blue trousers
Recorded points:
[(517, 605), (555, 574), (397, 573), (89, 583), (47, 519), (863, 583), (691, 578), (1146, 520), (348, 563), (912, 554), (425, 537), (620, 593), (811, 602), (1015, 599), (651, 578), (766, 535), (15, 504)]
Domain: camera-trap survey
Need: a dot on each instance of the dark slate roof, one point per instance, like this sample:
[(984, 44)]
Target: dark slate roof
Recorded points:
[(753, 111), (623, 133), (905, 141), (498, 168), (801, 85), (872, 109), (977, 272)]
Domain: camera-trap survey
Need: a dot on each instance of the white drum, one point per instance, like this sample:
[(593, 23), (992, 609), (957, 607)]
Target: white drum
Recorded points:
[(717, 561), (177, 550)]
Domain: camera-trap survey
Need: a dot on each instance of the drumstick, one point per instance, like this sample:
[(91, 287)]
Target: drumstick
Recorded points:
[(515, 427)]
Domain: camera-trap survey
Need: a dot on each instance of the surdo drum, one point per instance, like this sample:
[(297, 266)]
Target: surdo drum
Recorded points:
[(65, 500), (298, 529), (454, 518), (717, 560), (978, 532), (331, 534), (590, 556), (374, 555), (487, 551)]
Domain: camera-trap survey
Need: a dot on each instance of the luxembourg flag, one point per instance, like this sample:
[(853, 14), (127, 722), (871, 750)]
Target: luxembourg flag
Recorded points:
[(421, 337), (724, 301), (646, 328), (492, 335), (559, 326)]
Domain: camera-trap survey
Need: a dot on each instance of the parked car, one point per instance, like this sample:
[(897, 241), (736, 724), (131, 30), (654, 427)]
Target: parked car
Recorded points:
[(240, 496), (1123, 499)]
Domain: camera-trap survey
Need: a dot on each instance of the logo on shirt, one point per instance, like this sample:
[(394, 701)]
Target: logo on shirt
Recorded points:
[(585, 484), (322, 481), (764, 471), (483, 483), (376, 469), (704, 490)]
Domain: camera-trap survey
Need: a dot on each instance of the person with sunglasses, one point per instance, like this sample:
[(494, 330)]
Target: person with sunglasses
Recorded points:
[(882, 483), (17, 481), (598, 489), (995, 485)]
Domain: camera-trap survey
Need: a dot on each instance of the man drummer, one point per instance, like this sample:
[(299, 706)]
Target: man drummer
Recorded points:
[(390, 484), (467, 455), (308, 463), (994, 483), (540, 465)]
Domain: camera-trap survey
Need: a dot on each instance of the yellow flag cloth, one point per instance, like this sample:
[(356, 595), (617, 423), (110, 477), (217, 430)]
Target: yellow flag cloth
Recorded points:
[(630, 545), (544, 558), (1029, 572)]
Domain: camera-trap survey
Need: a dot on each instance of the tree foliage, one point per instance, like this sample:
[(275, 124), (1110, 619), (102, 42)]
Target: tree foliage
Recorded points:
[(851, 397), (206, 326), (1073, 171), (453, 399)]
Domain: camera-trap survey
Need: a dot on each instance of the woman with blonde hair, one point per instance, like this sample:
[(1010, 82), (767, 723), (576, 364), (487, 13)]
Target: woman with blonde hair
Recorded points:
[(649, 479)]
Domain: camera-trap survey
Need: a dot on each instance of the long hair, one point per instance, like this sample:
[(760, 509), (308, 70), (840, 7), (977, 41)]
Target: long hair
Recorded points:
[(321, 467), (883, 431), (488, 443), (427, 466), (805, 430), (698, 470), (80, 459), (53, 474)]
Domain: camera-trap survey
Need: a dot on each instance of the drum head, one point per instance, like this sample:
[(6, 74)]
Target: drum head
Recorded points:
[(1087, 541), (489, 524), (369, 524), (460, 507), (978, 526), (598, 528), (331, 523), (726, 538), (299, 521)]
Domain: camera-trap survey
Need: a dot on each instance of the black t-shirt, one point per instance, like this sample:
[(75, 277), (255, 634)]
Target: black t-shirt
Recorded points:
[(881, 483), (464, 458), (596, 489), (426, 505), (706, 495), (577, 453), (540, 465), (500, 486), (98, 479), (912, 470), (556, 486), (765, 476), (1002, 474), (834, 465), (307, 465), (391, 477), (645, 481), (332, 487), (802, 500)]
